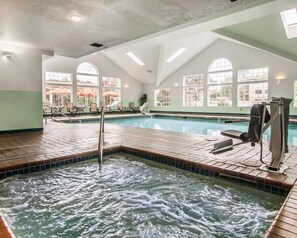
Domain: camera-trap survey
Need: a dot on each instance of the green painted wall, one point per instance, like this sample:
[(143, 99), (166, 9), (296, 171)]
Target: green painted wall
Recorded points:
[(20, 110)]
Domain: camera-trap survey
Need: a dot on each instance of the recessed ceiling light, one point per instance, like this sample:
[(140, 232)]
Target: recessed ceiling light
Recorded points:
[(132, 56), (76, 18), (8, 54), (175, 55)]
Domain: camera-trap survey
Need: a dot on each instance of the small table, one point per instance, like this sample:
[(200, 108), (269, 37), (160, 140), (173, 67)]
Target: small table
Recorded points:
[(80, 109), (56, 110)]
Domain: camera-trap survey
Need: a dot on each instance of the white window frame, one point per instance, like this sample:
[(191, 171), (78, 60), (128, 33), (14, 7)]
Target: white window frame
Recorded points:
[(119, 88), (196, 87), (87, 74), (227, 68), (86, 85), (252, 78), (155, 97), (57, 84)]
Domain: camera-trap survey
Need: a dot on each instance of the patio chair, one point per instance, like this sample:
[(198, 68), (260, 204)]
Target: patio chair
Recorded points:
[(47, 111), (93, 108), (71, 109), (132, 107), (120, 107)]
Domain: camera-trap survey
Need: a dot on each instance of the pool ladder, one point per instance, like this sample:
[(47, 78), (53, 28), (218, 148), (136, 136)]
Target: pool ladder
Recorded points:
[(101, 137)]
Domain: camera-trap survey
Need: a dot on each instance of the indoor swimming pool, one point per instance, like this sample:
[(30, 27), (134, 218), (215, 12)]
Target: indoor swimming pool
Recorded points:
[(131, 197), (199, 126)]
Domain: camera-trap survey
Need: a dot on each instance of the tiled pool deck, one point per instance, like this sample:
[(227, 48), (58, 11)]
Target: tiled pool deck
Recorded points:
[(62, 144)]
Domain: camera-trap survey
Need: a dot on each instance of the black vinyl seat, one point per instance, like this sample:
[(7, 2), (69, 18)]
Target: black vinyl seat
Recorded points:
[(243, 136), (258, 116)]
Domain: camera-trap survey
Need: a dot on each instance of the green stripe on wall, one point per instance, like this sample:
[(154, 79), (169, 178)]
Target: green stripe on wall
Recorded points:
[(20, 110)]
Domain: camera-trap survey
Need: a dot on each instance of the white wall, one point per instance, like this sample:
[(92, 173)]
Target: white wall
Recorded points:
[(241, 57), (22, 71), (105, 67)]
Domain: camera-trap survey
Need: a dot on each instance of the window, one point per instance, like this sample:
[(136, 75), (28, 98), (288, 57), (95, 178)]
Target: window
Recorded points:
[(162, 97), (219, 81), (57, 95), (58, 87), (252, 86), (87, 95), (87, 84), (54, 77), (111, 90), (193, 90)]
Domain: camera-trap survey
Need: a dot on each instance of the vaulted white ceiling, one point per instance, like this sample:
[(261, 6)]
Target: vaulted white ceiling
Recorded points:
[(153, 50), (153, 30)]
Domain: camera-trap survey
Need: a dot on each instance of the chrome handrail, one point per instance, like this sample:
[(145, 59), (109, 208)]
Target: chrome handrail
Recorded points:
[(101, 137), (64, 115)]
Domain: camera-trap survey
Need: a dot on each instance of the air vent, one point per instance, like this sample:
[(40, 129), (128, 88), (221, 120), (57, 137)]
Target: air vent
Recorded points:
[(97, 45)]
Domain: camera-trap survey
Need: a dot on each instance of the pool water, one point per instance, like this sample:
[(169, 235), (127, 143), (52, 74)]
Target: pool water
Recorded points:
[(131, 197), (194, 126)]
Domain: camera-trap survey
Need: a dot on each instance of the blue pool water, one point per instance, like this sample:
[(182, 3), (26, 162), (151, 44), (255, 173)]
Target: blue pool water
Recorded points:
[(194, 126), (130, 197)]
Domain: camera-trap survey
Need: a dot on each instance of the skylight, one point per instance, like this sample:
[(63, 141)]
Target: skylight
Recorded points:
[(175, 55), (291, 16), (132, 56), (289, 19)]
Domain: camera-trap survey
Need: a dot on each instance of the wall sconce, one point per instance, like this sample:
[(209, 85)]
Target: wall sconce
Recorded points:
[(126, 86), (8, 54), (280, 77), (175, 85)]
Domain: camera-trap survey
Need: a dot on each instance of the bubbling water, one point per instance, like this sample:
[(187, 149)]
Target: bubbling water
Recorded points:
[(129, 198)]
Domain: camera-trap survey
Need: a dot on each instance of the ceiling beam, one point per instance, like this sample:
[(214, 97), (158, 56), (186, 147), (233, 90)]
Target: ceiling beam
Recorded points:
[(160, 65)]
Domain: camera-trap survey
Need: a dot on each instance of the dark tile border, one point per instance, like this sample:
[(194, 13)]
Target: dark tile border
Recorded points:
[(53, 163), (22, 131), (207, 170), (190, 166)]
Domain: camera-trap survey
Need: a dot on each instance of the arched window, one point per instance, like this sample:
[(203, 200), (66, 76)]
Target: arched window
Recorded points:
[(87, 68), (219, 79), (87, 84)]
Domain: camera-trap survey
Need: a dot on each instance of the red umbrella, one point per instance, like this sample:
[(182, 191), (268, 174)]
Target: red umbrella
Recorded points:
[(110, 93), (59, 91), (86, 92)]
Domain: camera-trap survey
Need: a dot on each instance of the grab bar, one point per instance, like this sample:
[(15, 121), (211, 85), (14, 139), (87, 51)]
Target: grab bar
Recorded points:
[(101, 137)]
